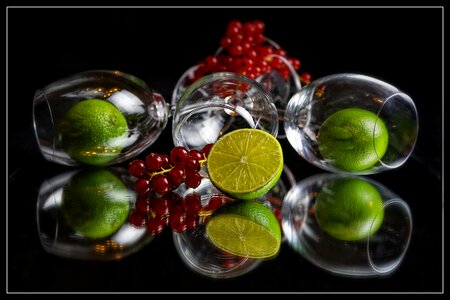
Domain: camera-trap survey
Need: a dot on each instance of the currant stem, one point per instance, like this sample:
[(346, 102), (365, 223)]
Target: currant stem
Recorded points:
[(163, 171)]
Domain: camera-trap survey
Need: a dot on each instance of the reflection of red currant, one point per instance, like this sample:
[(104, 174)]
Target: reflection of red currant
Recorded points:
[(171, 209)]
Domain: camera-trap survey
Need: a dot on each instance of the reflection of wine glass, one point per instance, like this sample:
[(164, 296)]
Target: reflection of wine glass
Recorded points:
[(377, 133), (83, 215), (196, 249), (219, 103), (71, 130), (347, 225)]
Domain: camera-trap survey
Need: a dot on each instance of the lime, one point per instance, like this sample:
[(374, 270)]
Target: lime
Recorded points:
[(95, 203), (93, 132), (353, 139), (245, 228), (245, 163), (349, 209)]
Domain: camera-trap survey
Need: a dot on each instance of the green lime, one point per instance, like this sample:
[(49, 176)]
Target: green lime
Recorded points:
[(245, 228), (349, 209), (353, 139), (95, 203), (93, 132), (245, 163)]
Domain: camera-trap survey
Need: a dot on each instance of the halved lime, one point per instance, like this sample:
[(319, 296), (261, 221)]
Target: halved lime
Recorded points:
[(245, 228), (245, 163)]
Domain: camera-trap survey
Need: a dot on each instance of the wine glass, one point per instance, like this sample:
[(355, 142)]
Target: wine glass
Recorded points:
[(97, 117), (352, 123), (348, 225), (83, 214), (219, 103), (280, 88)]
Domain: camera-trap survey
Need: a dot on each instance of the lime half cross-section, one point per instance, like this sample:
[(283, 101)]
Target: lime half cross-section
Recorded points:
[(245, 163)]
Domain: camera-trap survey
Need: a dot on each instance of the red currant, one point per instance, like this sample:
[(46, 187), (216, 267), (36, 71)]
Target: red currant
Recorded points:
[(137, 168), (196, 154), (192, 164), (193, 179), (142, 186), (154, 162), (178, 156), (160, 184), (206, 149), (177, 176)]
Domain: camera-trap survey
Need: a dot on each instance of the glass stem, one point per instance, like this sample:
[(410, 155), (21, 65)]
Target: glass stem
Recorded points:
[(294, 75)]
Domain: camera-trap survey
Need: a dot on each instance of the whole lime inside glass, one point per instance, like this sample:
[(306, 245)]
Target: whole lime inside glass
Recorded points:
[(93, 132), (349, 209), (95, 203), (353, 139)]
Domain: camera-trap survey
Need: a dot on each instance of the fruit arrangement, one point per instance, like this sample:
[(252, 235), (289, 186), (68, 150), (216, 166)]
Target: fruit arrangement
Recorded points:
[(246, 50)]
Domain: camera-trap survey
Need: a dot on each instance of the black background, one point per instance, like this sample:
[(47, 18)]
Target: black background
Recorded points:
[(402, 46)]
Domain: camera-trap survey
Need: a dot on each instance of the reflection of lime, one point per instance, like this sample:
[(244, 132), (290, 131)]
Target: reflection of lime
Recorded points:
[(245, 163), (245, 228), (93, 132), (353, 139), (95, 203), (349, 209)]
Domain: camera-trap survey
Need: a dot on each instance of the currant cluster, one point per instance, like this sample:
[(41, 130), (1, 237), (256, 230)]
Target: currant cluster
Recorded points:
[(161, 173), (246, 51), (173, 210)]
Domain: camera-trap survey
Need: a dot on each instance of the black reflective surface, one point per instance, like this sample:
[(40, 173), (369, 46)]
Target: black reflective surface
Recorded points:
[(401, 46)]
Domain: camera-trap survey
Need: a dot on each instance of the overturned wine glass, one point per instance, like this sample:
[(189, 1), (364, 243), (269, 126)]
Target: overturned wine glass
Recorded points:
[(219, 103), (352, 123), (98, 117)]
